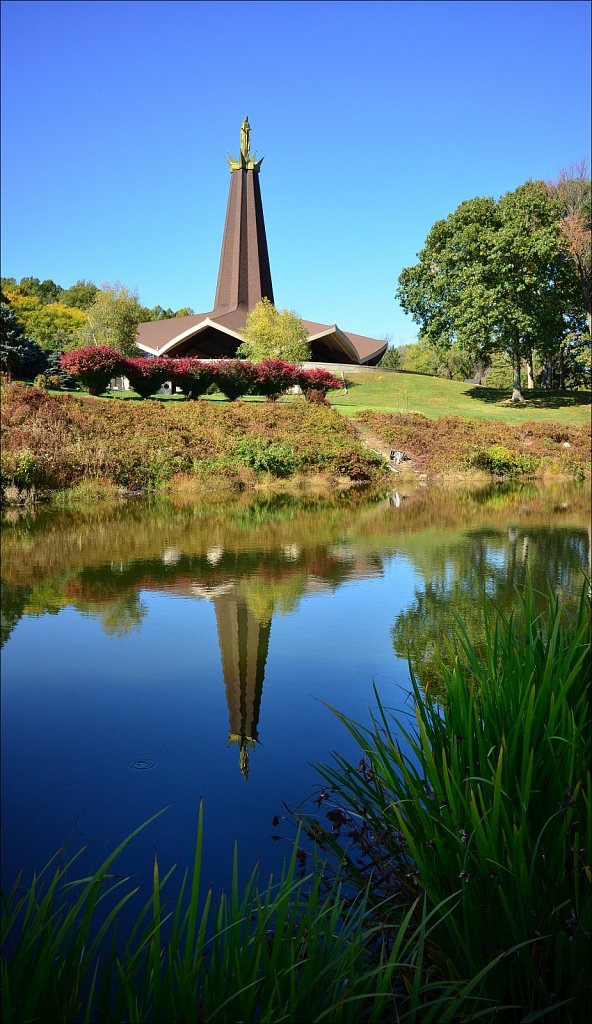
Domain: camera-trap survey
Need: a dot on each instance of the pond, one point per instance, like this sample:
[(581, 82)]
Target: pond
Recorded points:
[(156, 654)]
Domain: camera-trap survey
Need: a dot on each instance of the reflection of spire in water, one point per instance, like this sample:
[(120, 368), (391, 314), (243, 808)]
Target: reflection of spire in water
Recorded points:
[(244, 643)]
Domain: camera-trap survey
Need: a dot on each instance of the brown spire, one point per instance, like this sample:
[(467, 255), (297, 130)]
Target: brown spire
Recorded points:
[(244, 276)]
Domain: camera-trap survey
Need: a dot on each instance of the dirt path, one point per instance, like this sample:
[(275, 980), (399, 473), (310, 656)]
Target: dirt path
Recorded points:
[(374, 443)]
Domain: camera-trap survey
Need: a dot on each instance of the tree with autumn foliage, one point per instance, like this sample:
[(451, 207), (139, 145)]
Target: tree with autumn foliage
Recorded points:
[(112, 319), (272, 333), (572, 192)]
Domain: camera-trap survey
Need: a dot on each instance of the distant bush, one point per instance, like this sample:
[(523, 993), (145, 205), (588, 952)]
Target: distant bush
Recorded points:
[(276, 457), (500, 461), (47, 380), (94, 366), (391, 360)]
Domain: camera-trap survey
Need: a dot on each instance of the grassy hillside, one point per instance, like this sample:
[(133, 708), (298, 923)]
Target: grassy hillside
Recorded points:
[(57, 441), (395, 392)]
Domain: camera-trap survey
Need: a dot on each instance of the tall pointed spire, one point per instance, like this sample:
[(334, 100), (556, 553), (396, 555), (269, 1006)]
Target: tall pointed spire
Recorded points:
[(244, 275)]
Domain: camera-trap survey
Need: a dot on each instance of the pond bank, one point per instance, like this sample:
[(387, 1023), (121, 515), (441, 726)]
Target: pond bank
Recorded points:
[(100, 448)]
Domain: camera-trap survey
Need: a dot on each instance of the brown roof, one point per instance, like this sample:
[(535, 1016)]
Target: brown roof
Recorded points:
[(155, 335)]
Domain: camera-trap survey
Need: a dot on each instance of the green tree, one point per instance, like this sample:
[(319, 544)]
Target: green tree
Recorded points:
[(272, 333), (113, 319), (391, 360), (18, 353), (493, 277), (80, 295), (45, 291)]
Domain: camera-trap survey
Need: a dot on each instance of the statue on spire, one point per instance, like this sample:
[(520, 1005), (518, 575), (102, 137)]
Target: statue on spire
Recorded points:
[(247, 161), (245, 137)]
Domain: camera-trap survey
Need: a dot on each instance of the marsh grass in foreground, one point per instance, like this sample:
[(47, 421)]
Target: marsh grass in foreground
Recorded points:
[(492, 802), (460, 892), (296, 950)]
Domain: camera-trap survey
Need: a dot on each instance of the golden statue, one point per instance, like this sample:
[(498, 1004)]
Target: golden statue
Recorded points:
[(245, 136)]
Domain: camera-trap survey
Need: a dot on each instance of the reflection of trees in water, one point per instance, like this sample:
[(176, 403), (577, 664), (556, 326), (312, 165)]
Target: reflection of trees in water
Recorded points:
[(483, 563), (13, 601)]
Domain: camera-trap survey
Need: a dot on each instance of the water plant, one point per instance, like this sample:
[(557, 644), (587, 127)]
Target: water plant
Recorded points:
[(452, 882), (290, 950), (486, 796)]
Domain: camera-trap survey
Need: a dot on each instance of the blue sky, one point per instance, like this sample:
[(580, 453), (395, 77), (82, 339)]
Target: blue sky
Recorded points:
[(375, 120)]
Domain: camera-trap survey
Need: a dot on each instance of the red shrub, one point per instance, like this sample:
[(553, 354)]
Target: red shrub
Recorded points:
[(93, 366), (315, 384), (146, 376), (274, 376), (235, 377), (193, 376)]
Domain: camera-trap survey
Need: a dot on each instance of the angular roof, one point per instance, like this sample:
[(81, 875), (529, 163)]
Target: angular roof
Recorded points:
[(162, 337), (244, 278)]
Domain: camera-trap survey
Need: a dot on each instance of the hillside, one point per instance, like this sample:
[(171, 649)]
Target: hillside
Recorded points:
[(398, 392)]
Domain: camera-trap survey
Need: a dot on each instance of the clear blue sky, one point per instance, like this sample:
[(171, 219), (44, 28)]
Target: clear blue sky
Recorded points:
[(375, 120)]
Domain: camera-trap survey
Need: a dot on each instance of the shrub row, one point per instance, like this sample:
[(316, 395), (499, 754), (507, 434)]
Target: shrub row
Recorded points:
[(96, 365)]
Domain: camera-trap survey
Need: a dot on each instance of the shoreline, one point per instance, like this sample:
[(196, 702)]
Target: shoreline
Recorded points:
[(75, 448)]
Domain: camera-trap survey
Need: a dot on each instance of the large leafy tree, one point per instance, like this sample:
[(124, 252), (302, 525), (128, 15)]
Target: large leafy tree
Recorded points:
[(113, 319), (272, 333), (51, 325), (493, 277)]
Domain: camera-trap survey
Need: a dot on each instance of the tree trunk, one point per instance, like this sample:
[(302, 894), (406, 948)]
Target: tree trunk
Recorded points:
[(561, 369), (529, 371), (517, 387)]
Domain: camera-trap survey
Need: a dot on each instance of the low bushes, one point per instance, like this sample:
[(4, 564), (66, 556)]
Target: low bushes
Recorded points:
[(57, 441), (500, 461), (235, 378), (491, 445), (146, 376), (93, 366), (96, 365)]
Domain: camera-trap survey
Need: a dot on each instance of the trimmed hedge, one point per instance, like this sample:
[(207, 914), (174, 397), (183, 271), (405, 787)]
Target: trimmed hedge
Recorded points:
[(96, 365)]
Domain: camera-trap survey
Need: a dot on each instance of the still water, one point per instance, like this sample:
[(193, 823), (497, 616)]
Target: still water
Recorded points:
[(155, 654)]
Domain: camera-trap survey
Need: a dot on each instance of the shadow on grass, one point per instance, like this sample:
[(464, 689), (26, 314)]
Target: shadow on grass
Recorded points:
[(533, 399)]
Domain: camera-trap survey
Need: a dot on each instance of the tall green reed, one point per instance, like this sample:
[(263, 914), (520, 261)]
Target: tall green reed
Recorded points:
[(293, 950), (489, 802)]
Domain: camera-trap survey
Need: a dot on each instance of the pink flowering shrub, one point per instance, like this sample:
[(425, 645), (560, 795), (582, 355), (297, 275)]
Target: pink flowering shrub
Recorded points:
[(315, 384), (93, 366), (274, 376)]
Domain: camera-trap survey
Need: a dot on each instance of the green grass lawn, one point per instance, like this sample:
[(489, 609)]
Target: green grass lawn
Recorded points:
[(390, 391), (434, 397)]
